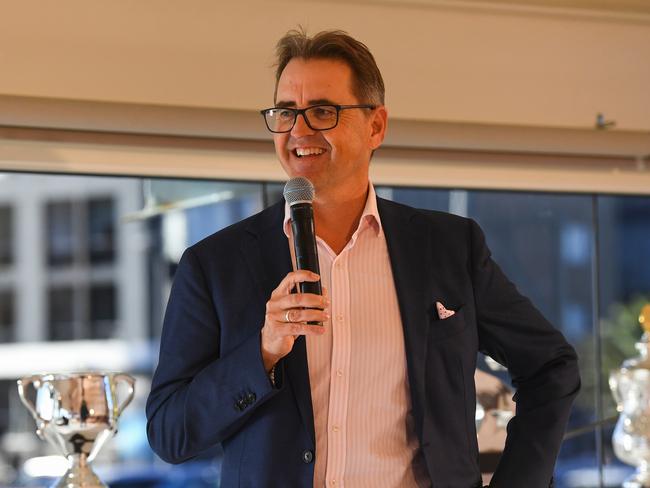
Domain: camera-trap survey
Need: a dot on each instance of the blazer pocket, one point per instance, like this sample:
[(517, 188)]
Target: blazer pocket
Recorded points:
[(440, 329)]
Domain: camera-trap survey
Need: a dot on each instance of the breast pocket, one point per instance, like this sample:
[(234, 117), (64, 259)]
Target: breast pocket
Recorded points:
[(442, 329)]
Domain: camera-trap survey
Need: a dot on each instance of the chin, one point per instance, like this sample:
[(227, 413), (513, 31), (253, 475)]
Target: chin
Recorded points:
[(306, 172)]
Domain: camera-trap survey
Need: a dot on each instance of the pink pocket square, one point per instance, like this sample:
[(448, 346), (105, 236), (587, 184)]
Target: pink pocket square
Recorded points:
[(443, 313)]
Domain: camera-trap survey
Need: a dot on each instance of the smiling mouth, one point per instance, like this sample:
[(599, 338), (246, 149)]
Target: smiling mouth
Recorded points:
[(308, 151)]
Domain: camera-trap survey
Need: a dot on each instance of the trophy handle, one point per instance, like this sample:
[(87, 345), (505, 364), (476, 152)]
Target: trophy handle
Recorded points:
[(23, 383), (130, 382)]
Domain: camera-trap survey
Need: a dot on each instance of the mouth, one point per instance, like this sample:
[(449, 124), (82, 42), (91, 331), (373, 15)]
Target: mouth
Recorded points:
[(303, 152)]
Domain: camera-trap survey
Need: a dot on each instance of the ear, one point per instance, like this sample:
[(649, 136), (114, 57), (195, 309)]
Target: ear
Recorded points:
[(378, 126)]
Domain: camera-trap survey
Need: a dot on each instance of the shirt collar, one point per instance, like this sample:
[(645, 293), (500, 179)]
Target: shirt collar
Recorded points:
[(369, 216)]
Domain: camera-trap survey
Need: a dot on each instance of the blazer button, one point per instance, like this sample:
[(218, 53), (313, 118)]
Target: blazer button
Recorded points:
[(250, 398), (307, 456), (240, 404)]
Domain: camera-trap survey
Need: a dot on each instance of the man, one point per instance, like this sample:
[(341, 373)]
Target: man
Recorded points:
[(382, 394)]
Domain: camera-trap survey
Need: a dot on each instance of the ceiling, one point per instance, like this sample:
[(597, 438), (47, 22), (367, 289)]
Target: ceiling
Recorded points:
[(622, 6), (629, 10)]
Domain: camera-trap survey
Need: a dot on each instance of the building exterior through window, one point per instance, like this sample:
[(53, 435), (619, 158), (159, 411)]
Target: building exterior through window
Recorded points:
[(86, 264)]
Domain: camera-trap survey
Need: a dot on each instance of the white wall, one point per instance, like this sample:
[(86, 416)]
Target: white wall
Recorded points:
[(461, 64)]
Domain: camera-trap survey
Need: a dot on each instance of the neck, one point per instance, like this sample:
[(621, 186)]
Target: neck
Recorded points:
[(336, 219)]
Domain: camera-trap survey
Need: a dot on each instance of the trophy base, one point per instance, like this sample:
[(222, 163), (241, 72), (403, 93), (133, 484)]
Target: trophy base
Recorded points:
[(79, 477)]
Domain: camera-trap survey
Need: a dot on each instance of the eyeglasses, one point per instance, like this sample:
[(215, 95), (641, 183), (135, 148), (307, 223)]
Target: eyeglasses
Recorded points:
[(317, 117)]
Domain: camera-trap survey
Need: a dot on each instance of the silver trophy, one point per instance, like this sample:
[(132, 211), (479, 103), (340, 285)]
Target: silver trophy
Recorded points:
[(630, 387), (77, 413)]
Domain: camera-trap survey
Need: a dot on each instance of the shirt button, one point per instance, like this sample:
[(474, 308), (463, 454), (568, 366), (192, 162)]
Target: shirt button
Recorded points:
[(332, 482), (335, 428), (339, 317), (339, 373), (307, 456)]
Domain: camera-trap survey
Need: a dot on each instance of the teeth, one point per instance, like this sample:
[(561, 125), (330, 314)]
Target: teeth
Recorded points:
[(308, 151)]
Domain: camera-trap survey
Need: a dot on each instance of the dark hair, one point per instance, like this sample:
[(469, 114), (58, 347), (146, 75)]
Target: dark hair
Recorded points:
[(367, 84)]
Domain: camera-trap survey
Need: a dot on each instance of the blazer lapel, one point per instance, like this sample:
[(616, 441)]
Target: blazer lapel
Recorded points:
[(409, 247), (270, 259)]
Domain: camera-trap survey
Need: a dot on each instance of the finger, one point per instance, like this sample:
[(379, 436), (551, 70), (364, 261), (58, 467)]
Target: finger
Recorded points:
[(295, 315), (276, 330), (290, 281), (297, 300), (292, 315), (298, 329)]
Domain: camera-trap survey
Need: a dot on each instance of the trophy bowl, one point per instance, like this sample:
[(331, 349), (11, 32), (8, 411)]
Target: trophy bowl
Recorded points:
[(76, 413)]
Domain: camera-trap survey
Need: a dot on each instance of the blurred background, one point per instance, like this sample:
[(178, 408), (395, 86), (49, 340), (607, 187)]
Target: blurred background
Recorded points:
[(129, 131)]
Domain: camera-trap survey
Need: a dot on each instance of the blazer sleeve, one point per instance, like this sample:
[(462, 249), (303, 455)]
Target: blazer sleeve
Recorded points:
[(197, 398), (543, 367)]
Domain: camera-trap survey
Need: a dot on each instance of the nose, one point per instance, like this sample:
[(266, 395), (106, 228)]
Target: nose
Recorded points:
[(300, 128)]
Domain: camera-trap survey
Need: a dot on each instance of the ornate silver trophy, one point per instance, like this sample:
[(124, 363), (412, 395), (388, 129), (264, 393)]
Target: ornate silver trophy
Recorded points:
[(630, 387), (77, 413)]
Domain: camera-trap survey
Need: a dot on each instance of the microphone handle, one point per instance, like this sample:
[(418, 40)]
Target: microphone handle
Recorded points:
[(304, 244)]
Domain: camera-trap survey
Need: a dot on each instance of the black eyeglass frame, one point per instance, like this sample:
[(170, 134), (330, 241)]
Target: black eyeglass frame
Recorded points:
[(301, 111)]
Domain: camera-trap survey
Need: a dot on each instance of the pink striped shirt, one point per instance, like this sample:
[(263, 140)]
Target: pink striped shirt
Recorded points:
[(357, 369)]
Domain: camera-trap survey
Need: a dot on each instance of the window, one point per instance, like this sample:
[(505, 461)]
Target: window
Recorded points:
[(62, 239), (106, 275), (81, 231), (624, 264), (81, 254), (6, 235), (7, 392), (102, 311), (7, 316), (61, 314), (101, 230)]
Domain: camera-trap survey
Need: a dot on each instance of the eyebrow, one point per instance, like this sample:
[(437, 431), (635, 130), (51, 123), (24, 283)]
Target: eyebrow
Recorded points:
[(318, 101)]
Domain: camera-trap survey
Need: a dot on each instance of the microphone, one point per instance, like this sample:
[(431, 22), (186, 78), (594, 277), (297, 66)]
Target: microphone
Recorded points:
[(299, 193)]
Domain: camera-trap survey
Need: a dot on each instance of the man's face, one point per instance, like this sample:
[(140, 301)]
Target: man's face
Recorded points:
[(334, 160)]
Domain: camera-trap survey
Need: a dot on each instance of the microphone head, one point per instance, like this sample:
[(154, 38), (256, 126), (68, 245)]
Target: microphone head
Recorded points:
[(298, 190)]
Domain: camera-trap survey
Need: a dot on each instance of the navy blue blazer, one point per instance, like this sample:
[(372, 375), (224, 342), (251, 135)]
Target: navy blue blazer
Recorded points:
[(210, 385)]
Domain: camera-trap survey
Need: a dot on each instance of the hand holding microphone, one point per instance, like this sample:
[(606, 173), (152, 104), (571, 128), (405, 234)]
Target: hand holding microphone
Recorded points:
[(290, 314)]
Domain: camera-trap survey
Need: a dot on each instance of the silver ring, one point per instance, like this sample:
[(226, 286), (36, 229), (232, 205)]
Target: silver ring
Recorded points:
[(286, 317)]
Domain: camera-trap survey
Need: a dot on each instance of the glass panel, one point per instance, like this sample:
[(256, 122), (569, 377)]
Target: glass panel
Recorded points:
[(61, 237), (61, 315), (111, 246), (7, 315), (544, 244), (624, 264), (6, 235), (6, 389), (577, 466), (614, 471), (101, 228), (103, 311), (273, 193), (427, 198), (110, 249)]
